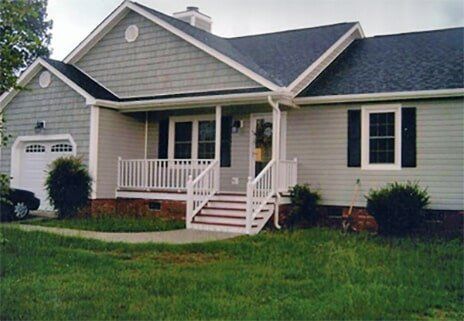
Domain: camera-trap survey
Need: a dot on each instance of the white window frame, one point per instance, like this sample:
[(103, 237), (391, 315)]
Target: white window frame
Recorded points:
[(365, 117), (195, 119)]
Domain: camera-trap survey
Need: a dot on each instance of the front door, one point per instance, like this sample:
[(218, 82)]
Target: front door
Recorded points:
[(261, 138), (261, 141)]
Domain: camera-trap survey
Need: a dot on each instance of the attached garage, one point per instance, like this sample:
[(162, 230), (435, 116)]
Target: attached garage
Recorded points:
[(31, 157)]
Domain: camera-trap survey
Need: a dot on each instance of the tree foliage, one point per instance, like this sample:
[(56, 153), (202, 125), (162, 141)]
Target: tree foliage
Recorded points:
[(4, 178), (24, 36)]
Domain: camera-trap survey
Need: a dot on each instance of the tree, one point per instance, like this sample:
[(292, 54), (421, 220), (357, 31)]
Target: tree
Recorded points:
[(4, 178), (24, 36)]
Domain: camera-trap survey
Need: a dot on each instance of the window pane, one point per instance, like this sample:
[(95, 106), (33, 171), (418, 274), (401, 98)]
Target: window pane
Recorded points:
[(382, 138), (183, 140), (206, 130), (206, 137)]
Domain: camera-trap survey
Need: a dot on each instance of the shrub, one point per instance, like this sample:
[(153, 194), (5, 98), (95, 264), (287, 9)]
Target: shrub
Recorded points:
[(304, 202), (68, 185), (397, 208)]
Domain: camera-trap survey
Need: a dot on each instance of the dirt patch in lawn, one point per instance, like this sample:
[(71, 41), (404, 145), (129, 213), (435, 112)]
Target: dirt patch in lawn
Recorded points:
[(188, 258)]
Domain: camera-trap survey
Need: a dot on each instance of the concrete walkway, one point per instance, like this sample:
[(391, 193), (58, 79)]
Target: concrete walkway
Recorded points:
[(168, 237)]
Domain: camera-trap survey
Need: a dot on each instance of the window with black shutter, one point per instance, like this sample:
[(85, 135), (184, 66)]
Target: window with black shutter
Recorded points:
[(382, 137)]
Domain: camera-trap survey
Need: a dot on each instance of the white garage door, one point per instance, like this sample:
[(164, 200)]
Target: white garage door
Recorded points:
[(35, 159)]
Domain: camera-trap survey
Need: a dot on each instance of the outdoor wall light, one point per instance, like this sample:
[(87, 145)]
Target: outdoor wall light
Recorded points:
[(236, 125)]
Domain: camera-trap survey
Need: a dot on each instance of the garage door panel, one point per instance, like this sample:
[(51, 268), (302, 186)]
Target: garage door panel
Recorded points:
[(35, 161)]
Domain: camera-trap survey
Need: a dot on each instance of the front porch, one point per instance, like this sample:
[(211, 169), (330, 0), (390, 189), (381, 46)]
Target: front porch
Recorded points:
[(230, 170), (197, 182), (171, 176)]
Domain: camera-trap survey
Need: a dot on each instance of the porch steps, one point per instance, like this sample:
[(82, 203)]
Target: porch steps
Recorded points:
[(226, 212)]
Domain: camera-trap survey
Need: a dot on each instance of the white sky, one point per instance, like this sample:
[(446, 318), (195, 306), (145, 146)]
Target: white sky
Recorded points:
[(73, 20)]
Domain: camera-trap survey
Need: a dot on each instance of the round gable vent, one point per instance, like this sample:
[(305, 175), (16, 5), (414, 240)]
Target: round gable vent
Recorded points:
[(45, 79), (132, 32)]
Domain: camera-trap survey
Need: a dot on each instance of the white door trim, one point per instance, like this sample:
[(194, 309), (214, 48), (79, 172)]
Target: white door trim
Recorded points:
[(283, 138), (16, 151)]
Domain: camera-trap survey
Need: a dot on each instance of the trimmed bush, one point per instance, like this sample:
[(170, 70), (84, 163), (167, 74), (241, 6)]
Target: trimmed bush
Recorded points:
[(304, 203), (68, 185), (397, 208)]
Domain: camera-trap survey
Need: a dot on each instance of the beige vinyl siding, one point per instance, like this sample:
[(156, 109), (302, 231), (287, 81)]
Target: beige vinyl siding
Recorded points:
[(158, 62), (240, 159), (63, 110), (317, 136), (120, 135), (152, 137)]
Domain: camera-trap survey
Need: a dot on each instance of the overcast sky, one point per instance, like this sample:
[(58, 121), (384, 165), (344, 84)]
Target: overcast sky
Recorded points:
[(73, 20)]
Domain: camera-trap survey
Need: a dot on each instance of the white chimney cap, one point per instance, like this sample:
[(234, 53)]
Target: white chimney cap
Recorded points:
[(194, 17)]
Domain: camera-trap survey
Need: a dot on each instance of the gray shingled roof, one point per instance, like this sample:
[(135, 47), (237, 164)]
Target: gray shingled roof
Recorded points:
[(82, 80), (403, 62), (285, 55), (279, 57)]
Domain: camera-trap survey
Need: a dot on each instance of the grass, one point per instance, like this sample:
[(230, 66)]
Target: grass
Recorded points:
[(305, 274), (114, 224)]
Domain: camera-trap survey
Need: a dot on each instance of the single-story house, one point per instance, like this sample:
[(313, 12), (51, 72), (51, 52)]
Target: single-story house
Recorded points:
[(170, 117)]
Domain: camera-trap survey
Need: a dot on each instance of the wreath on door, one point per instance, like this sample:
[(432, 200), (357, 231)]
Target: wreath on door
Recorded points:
[(263, 134)]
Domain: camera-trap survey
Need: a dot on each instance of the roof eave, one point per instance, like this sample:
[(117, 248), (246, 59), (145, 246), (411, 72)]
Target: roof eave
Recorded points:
[(387, 96), (194, 102), (29, 74)]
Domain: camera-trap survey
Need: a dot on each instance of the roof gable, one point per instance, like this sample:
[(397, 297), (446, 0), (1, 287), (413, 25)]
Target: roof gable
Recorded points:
[(71, 76), (291, 52), (156, 63), (285, 55), (206, 41), (395, 63)]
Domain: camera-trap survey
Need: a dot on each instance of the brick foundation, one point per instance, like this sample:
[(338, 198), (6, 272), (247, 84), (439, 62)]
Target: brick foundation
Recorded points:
[(439, 222), (137, 208)]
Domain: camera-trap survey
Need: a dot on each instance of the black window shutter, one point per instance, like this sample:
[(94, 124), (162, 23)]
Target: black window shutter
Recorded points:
[(163, 138), (226, 141), (408, 137), (354, 138)]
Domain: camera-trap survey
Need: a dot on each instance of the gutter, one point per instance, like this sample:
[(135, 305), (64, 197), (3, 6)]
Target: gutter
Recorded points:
[(193, 102), (401, 95)]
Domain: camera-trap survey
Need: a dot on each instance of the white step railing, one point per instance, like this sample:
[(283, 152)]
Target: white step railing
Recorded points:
[(201, 189), (164, 174), (288, 170), (259, 192)]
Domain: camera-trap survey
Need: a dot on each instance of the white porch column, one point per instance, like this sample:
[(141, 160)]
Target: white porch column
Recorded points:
[(276, 116), (93, 147), (217, 149)]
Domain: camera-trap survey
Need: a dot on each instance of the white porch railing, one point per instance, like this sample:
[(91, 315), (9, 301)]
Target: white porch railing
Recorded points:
[(165, 174), (259, 192), (201, 189), (288, 170)]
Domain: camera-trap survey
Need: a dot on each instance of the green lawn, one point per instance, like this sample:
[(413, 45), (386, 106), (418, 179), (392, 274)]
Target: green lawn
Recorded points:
[(114, 224), (306, 274)]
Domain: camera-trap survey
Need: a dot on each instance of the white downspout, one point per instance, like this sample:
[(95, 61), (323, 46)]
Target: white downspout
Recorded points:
[(276, 156)]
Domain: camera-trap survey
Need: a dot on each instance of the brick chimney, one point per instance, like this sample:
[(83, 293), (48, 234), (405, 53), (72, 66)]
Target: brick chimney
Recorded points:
[(197, 19)]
